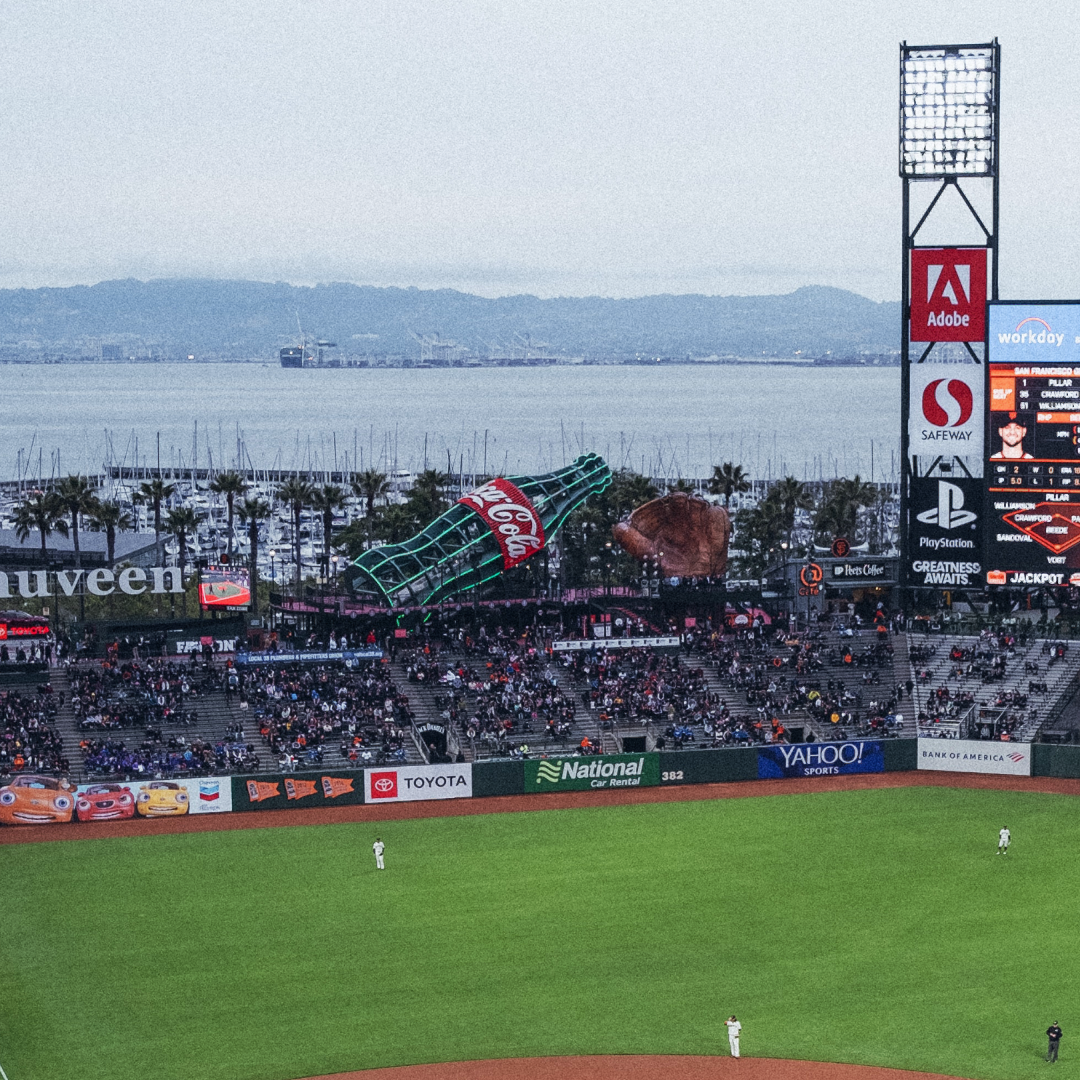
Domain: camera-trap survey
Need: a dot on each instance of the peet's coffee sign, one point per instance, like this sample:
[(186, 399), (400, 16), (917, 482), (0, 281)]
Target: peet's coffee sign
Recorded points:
[(132, 581), (865, 571)]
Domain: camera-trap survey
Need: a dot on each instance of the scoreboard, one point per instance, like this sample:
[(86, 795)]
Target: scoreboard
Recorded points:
[(1032, 465)]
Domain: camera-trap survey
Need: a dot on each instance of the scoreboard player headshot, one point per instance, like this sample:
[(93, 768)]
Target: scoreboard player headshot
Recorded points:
[(1012, 441)]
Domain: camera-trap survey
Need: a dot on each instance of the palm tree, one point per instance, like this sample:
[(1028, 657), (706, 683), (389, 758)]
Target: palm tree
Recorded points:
[(155, 492), (790, 495), (297, 493), (75, 494), (42, 512), (111, 517), (182, 521), (683, 485), (840, 511), (229, 484), (252, 511), (370, 485), (727, 479), (326, 500)]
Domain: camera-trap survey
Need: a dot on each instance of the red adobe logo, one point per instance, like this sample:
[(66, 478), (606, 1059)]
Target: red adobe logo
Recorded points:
[(383, 785), (948, 294)]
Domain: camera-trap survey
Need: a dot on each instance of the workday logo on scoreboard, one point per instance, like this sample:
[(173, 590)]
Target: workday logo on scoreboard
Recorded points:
[(946, 411), (1039, 334)]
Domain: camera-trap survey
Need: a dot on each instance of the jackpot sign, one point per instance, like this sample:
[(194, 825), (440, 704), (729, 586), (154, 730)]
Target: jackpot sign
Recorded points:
[(948, 294)]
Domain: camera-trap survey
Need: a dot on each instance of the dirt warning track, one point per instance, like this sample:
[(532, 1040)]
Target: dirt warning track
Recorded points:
[(568, 800)]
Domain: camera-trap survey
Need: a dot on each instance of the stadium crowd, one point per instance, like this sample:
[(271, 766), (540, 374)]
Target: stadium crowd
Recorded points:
[(28, 741), (301, 710)]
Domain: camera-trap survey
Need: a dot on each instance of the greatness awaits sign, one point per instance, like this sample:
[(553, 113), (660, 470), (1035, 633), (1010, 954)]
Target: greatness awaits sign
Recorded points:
[(132, 581)]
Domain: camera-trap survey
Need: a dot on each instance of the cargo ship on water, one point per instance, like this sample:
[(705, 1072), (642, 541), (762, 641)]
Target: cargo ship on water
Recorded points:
[(303, 357)]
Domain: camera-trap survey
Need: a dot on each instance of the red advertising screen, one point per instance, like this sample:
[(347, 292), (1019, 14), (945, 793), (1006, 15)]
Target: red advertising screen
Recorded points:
[(948, 294), (224, 587)]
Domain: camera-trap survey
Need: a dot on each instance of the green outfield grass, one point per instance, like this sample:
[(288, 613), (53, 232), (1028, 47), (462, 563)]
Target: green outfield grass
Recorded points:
[(874, 926)]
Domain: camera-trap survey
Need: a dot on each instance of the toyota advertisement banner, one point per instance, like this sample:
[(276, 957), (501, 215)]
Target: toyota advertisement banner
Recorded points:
[(975, 756), (819, 759), (947, 412), (411, 783)]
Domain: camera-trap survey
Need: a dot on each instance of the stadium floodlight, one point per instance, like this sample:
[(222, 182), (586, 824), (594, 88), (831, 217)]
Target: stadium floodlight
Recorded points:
[(948, 111)]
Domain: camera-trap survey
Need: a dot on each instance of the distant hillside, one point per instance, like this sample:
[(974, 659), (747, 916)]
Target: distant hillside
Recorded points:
[(246, 318)]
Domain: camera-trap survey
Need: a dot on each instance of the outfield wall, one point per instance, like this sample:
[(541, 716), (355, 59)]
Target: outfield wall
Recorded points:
[(27, 799)]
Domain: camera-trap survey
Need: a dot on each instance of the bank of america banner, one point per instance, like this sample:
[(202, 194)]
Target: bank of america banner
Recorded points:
[(411, 783), (819, 759), (971, 755)]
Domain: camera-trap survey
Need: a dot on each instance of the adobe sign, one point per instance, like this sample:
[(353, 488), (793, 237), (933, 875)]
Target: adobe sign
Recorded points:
[(948, 294)]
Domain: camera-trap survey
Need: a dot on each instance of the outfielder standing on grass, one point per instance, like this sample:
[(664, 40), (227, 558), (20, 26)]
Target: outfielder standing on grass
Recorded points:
[(1003, 841), (378, 847), (733, 1029)]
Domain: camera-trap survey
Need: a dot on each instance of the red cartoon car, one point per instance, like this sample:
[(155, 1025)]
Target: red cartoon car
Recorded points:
[(104, 802), (36, 800)]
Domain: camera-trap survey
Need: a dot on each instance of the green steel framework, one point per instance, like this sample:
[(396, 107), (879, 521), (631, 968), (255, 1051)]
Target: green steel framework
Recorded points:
[(457, 552)]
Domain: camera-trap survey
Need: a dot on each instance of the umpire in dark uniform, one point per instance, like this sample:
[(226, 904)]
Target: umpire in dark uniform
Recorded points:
[(1053, 1033)]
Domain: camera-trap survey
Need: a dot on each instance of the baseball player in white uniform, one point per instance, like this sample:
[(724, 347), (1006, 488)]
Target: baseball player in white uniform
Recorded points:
[(733, 1029), (1003, 841), (378, 847)]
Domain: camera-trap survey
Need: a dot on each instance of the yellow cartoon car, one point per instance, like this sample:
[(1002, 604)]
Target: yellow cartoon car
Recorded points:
[(36, 800), (161, 798)]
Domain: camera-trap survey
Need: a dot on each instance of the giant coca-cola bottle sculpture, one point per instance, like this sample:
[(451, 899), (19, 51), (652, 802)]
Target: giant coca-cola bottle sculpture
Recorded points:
[(484, 533)]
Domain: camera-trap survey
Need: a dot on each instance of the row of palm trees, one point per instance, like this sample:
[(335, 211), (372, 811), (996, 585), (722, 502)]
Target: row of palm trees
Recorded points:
[(72, 502)]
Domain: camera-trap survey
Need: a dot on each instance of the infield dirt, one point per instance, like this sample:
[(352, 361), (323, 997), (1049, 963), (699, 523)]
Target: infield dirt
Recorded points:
[(651, 1067)]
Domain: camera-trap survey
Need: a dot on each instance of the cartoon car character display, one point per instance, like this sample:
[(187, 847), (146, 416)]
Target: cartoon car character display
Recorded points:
[(104, 802), (36, 800), (161, 798)]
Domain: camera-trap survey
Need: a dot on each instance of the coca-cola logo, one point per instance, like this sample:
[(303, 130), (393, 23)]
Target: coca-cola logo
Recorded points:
[(512, 518), (959, 403)]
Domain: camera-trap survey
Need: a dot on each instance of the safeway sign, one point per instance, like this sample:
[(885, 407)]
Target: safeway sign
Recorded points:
[(948, 294), (946, 412), (412, 783)]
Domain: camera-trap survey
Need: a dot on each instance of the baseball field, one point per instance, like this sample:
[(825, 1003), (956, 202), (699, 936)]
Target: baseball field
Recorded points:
[(869, 926)]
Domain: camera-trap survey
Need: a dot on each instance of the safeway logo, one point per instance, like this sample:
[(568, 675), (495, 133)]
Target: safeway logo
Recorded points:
[(948, 294), (950, 407), (383, 785), (949, 512)]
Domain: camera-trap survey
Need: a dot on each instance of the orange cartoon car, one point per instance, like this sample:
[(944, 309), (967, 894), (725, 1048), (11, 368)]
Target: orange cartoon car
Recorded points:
[(36, 800)]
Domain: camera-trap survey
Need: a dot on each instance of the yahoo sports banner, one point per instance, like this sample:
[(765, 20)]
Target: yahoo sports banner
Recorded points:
[(411, 783), (819, 759), (975, 756)]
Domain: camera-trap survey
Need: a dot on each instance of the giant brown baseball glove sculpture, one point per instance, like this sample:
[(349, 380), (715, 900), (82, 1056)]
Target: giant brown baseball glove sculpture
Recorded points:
[(687, 534)]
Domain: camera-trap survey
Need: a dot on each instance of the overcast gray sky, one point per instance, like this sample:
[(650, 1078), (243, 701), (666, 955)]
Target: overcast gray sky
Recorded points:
[(559, 148)]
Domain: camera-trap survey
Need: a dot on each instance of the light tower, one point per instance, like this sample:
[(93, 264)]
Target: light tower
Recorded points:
[(948, 151)]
